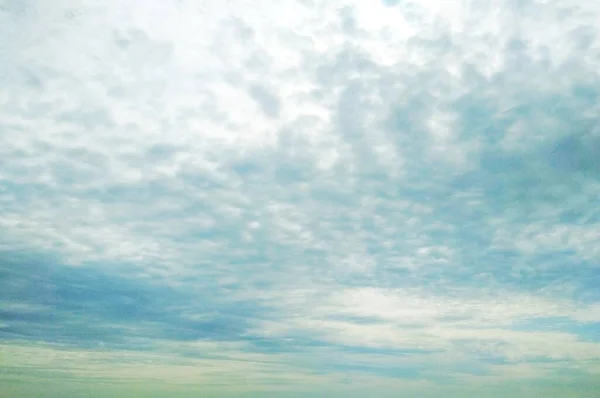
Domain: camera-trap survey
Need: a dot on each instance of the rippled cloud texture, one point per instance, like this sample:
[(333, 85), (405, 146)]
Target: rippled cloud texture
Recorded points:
[(299, 198)]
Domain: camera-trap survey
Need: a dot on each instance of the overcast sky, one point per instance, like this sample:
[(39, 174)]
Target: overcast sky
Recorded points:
[(299, 198)]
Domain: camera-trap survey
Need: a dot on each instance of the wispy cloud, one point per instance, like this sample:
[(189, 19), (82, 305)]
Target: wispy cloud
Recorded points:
[(353, 196)]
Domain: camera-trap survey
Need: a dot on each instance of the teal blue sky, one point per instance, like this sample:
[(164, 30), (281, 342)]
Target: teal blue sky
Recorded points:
[(299, 198)]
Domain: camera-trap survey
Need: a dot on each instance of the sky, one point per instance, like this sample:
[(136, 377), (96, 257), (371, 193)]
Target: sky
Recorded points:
[(299, 198)]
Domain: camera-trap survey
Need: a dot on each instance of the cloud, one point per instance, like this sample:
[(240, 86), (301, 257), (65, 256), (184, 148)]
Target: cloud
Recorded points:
[(399, 194)]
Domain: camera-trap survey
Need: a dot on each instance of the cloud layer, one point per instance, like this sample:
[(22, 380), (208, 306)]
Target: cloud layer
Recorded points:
[(258, 198)]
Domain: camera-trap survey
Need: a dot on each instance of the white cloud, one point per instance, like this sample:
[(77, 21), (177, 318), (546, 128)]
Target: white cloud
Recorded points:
[(403, 320), (356, 167)]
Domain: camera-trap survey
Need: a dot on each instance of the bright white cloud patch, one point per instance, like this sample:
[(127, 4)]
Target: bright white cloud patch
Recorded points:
[(353, 195)]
